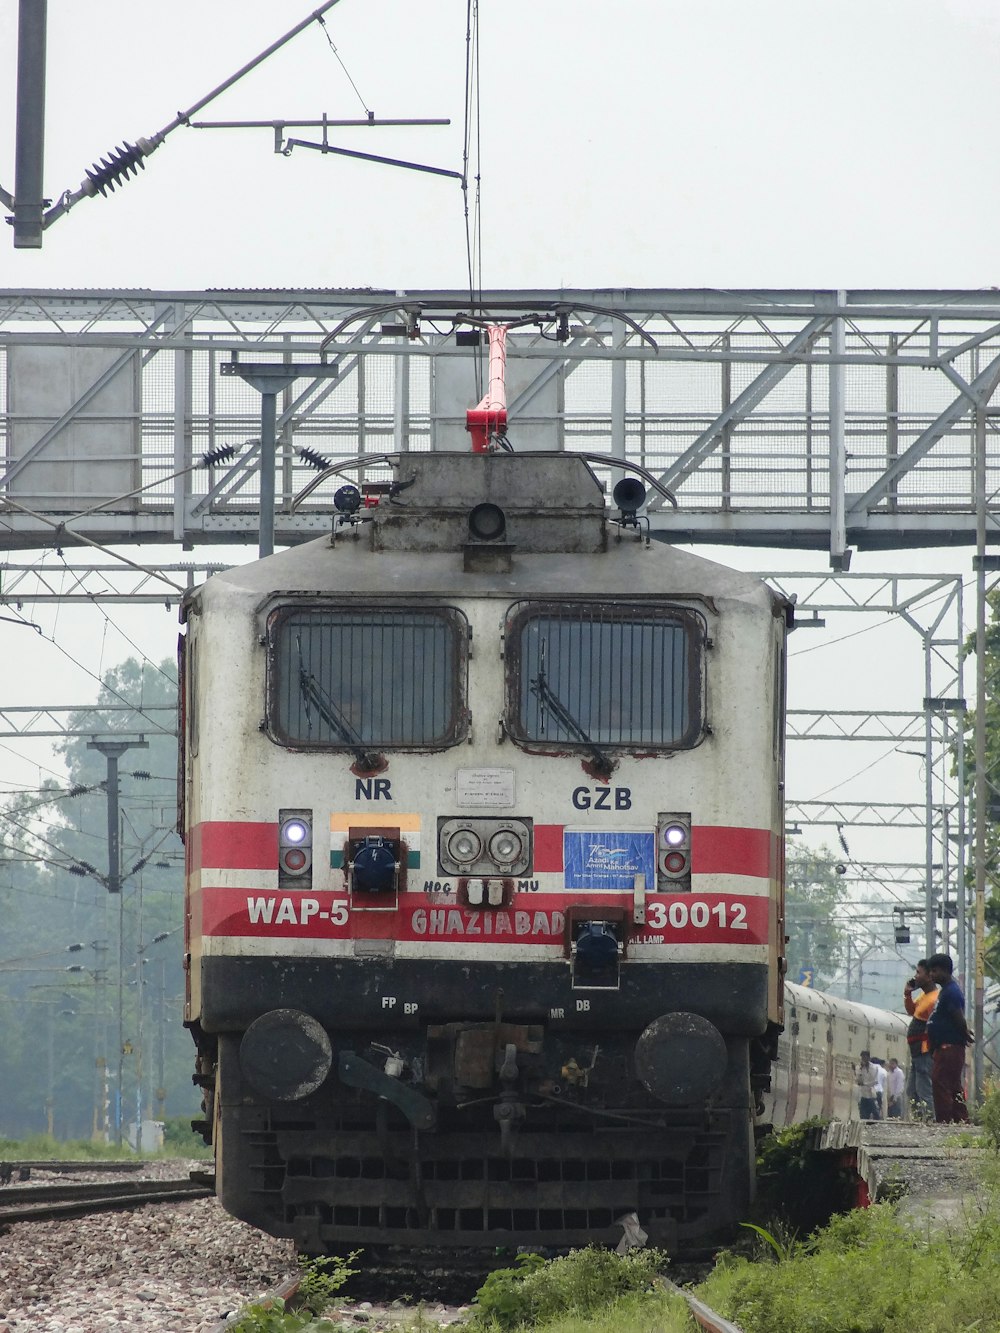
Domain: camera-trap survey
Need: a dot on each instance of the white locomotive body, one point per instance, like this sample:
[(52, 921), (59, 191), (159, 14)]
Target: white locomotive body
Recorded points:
[(484, 869)]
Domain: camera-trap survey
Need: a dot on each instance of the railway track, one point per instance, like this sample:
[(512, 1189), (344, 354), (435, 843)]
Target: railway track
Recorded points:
[(704, 1316), (66, 1168), (39, 1203), (286, 1293)]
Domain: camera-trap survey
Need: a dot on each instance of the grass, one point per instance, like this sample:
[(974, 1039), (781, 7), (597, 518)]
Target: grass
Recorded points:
[(178, 1141), (586, 1291), (589, 1289), (867, 1272)]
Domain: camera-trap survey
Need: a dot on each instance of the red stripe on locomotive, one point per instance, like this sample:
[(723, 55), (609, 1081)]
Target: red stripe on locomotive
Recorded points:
[(716, 849), (535, 918), (719, 850), (228, 845)]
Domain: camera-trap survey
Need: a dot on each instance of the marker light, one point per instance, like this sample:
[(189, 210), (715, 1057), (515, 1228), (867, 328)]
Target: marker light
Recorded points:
[(674, 850), (294, 848), (505, 847), (294, 831)]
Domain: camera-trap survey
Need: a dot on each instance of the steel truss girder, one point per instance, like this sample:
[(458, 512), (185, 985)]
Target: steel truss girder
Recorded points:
[(50, 720), (932, 606), (745, 401), (46, 580), (856, 814)]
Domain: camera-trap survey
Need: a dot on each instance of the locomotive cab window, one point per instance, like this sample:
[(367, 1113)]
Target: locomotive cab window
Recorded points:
[(352, 677), (616, 674)]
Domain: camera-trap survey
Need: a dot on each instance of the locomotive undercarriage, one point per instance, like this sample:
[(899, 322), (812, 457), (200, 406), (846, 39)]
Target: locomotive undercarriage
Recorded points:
[(548, 1142)]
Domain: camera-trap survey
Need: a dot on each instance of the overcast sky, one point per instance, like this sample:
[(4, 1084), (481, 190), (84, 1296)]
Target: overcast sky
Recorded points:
[(780, 143), (717, 143)]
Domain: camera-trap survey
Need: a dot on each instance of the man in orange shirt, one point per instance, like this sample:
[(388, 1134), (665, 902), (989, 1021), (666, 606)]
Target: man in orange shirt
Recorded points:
[(919, 1092)]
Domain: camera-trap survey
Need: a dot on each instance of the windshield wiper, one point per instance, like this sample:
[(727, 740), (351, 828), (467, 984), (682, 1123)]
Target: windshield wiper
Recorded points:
[(545, 695), (313, 693)]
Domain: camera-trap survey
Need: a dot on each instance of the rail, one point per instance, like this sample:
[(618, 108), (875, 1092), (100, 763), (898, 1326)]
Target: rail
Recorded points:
[(45, 1202), (704, 1316)]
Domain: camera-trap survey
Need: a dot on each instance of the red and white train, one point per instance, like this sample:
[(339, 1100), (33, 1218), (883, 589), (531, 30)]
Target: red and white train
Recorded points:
[(483, 818)]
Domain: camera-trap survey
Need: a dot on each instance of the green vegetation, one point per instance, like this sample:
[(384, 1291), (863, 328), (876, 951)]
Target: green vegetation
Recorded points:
[(866, 1272), (41, 1147), (321, 1280), (988, 1115), (797, 1190), (587, 1289), (178, 1141), (59, 945), (816, 940)]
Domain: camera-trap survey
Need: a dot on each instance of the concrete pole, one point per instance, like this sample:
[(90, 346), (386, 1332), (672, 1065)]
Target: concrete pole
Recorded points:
[(112, 751)]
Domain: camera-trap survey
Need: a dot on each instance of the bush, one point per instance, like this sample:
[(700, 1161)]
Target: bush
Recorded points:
[(321, 1280), (582, 1283), (988, 1115), (180, 1140), (866, 1272)]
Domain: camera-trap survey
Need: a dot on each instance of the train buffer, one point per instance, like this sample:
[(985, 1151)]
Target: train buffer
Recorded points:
[(932, 1169)]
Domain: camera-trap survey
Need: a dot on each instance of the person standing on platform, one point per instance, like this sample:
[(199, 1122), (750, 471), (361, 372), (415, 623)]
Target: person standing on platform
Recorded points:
[(949, 1035), (896, 1086), (866, 1081), (881, 1079), (920, 1093)]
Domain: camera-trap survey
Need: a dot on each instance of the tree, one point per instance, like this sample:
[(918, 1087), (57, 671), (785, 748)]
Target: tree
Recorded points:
[(64, 1005), (992, 675), (817, 942)]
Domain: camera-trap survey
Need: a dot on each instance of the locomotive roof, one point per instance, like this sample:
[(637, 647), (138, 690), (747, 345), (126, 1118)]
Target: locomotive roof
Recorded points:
[(559, 539), (628, 568)]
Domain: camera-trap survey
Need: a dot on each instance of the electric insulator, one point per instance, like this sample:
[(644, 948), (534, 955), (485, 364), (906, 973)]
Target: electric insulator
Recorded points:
[(223, 454), (114, 169), (315, 459)]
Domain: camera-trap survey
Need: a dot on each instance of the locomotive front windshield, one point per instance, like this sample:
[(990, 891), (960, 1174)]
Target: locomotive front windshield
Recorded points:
[(617, 676), (350, 678)]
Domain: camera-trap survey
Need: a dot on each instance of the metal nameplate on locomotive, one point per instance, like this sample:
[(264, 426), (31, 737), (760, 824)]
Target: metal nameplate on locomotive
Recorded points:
[(484, 788)]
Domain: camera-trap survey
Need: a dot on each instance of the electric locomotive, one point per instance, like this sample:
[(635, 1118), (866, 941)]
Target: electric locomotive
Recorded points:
[(483, 811)]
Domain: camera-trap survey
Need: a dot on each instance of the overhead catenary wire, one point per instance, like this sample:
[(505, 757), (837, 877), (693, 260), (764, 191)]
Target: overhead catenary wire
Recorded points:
[(130, 704), (326, 33), (145, 658), (125, 161)]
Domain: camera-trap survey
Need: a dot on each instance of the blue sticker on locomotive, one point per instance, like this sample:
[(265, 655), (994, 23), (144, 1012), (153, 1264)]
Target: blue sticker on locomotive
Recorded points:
[(608, 860)]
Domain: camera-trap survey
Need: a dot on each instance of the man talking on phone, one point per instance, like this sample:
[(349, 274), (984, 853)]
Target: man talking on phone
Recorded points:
[(949, 1035)]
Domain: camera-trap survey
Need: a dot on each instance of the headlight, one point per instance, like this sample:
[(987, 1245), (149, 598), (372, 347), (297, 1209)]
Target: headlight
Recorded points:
[(483, 845), (674, 835), (464, 846), (505, 847)]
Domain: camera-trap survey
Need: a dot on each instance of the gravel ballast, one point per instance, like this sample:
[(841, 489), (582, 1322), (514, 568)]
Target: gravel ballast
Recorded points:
[(171, 1268)]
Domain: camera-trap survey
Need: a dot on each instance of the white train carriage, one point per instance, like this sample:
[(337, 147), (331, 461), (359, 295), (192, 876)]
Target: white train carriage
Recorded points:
[(819, 1051), (484, 844)]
